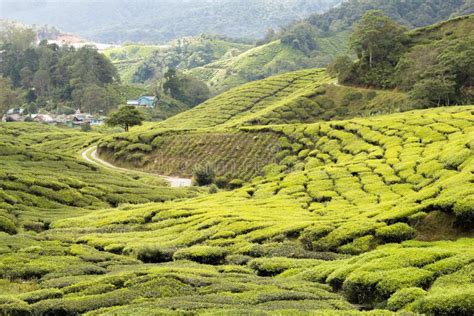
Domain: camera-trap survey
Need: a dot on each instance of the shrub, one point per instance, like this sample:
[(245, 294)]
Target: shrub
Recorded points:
[(7, 225), (458, 303), (222, 182), (395, 233), (155, 254), (213, 189), (36, 296), (276, 265), (464, 212), (235, 184), (204, 174), (403, 297), (202, 254)]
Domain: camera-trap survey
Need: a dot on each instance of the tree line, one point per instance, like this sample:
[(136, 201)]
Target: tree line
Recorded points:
[(436, 72), (53, 77)]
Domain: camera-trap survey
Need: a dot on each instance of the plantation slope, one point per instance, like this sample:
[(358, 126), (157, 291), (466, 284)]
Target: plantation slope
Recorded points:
[(135, 61), (43, 179), (232, 107), (344, 188), (268, 60), (234, 155)]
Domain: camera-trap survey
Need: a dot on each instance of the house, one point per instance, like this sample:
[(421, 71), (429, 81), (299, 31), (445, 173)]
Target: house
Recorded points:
[(14, 115), (97, 121), (43, 118), (148, 102)]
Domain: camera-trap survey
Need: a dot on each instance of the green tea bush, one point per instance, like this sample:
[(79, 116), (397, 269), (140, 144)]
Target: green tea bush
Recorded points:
[(7, 225), (39, 295), (155, 254), (403, 297), (236, 184), (455, 303), (395, 233), (464, 212), (202, 254)]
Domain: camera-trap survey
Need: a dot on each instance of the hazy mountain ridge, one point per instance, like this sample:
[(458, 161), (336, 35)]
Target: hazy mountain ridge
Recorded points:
[(146, 21)]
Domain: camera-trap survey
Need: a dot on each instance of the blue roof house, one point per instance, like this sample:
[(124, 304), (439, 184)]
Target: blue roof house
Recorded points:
[(148, 102)]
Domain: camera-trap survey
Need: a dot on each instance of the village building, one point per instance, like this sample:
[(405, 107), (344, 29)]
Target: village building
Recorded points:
[(148, 102)]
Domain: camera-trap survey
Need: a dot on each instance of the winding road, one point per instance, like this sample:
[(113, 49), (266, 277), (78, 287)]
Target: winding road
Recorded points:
[(95, 159)]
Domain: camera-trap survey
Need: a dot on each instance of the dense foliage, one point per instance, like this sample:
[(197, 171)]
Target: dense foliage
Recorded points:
[(316, 41), (51, 76), (185, 88), (327, 229), (434, 64)]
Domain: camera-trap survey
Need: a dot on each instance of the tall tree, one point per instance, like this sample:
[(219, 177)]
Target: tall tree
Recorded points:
[(377, 38)]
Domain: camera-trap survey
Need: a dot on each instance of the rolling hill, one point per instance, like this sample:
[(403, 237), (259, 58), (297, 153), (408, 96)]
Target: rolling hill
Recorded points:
[(327, 33), (144, 63), (371, 213)]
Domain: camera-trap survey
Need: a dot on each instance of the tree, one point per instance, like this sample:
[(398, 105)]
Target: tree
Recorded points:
[(377, 38), (204, 174), (436, 89), (301, 37), (185, 88), (342, 68), (8, 96), (125, 117)]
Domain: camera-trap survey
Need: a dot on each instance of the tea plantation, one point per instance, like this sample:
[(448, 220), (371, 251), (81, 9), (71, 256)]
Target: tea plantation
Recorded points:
[(361, 216), (214, 131), (41, 179)]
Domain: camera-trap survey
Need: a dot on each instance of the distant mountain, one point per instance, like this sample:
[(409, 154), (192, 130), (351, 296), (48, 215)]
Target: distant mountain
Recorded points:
[(158, 21)]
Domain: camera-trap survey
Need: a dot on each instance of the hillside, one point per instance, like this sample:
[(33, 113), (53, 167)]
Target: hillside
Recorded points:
[(160, 21), (317, 40), (41, 179), (432, 64), (144, 63), (362, 214), (301, 96)]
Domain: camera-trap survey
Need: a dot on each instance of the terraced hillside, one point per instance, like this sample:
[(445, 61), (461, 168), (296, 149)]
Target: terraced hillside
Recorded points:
[(234, 155), (140, 63), (360, 214), (42, 179), (268, 60), (303, 96), (177, 145)]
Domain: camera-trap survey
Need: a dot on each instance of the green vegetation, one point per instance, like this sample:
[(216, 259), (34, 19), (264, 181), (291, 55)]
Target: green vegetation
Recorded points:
[(145, 63), (125, 117), (50, 77), (162, 20), (433, 64), (233, 154), (330, 225), (315, 41), (41, 179)]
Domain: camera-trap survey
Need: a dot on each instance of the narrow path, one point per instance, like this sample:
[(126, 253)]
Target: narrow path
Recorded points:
[(90, 155)]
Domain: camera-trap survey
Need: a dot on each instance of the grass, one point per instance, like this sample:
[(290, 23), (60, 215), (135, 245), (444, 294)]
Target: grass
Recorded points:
[(330, 226)]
